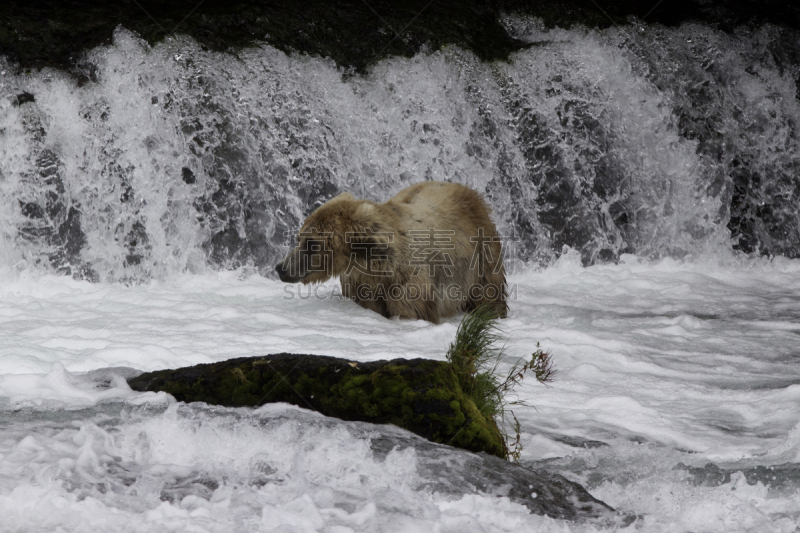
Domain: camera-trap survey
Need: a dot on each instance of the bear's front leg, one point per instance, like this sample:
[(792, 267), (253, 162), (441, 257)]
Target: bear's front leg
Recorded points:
[(369, 296)]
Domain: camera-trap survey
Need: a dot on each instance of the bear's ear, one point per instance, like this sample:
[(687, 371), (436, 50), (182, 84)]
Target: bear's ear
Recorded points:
[(365, 210), (344, 196)]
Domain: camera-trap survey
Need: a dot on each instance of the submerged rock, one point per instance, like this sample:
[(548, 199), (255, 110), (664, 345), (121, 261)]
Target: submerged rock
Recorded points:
[(447, 471), (782, 477), (420, 395)]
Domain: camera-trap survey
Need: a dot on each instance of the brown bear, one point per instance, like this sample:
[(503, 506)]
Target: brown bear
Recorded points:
[(429, 252)]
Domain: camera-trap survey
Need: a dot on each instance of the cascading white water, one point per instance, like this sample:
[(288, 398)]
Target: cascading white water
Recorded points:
[(171, 158)]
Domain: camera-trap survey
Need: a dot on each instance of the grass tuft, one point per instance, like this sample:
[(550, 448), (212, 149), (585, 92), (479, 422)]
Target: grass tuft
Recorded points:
[(475, 357)]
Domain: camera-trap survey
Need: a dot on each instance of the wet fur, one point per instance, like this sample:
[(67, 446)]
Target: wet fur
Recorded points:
[(345, 228)]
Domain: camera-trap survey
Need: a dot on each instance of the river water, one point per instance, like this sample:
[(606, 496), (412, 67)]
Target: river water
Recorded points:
[(644, 178)]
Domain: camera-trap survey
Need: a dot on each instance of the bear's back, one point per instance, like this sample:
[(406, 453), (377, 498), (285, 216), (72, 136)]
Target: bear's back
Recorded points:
[(444, 206)]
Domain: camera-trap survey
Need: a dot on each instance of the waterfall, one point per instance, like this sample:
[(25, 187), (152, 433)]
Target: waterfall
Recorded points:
[(645, 140)]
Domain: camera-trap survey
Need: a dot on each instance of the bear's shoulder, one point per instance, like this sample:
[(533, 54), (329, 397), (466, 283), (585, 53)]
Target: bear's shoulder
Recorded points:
[(431, 190)]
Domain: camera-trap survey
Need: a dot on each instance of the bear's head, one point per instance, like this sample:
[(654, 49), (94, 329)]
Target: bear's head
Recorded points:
[(341, 235)]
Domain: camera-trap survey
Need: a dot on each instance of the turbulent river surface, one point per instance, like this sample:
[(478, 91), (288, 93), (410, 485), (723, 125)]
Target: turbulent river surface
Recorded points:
[(645, 180)]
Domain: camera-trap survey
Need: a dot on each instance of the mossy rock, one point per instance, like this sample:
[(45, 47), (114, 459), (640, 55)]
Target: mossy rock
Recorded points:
[(420, 395)]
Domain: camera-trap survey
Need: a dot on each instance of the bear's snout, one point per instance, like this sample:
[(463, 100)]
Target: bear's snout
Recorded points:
[(284, 274)]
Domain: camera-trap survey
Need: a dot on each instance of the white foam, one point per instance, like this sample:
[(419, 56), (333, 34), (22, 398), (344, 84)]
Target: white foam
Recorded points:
[(666, 363)]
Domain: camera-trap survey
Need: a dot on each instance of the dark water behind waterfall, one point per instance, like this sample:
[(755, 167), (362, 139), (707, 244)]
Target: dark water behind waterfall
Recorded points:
[(636, 139)]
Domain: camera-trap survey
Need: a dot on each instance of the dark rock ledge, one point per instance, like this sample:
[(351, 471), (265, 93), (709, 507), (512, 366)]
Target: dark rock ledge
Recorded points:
[(354, 33)]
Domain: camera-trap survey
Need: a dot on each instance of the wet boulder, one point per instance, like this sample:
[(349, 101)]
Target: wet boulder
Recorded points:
[(420, 395)]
